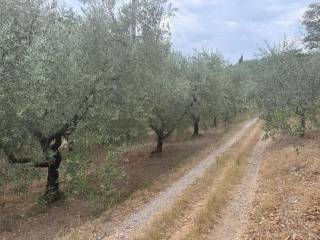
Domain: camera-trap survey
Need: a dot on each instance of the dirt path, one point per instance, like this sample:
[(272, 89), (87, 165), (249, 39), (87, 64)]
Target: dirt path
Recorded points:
[(167, 198), (233, 222)]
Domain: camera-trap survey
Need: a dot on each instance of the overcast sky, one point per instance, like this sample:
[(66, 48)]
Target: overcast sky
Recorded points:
[(234, 27)]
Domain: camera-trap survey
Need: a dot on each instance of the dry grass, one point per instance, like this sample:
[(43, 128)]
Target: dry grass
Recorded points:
[(287, 204), (159, 227), (220, 194), (77, 236), (211, 193)]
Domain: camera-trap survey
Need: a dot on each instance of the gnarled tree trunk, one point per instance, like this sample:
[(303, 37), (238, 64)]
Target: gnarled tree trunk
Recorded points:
[(215, 122), (161, 136), (160, 140), (52, 163), (226, 121), (302, 123), (52, 190), (196, 126)]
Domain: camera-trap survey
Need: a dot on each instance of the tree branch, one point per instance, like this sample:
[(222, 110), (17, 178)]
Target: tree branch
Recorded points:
[(12, 158), (154, 128)]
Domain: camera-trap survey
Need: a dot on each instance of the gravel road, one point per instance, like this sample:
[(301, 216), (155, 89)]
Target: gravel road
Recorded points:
[(234, 218), (167, 197)]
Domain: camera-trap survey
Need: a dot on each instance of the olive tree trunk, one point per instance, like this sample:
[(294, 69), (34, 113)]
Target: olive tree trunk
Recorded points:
[(160, 140), (302, 123), (196, 126), (52, 192), (215, 122)]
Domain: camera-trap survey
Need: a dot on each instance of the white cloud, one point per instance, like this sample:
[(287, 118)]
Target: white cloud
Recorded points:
[(236, 27)]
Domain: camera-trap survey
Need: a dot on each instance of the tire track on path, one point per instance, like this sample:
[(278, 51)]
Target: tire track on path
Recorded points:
[(167, 197), (234, 218)]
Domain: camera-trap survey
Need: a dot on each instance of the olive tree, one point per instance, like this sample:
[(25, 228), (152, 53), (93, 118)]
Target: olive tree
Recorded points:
[(166, 102), (160, 88), (56, 66), (41, 84), (288, 87), (206, 74), (311, 22)]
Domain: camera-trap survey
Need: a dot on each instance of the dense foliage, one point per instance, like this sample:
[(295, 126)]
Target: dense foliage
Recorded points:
[(109, 75), (288, 88)]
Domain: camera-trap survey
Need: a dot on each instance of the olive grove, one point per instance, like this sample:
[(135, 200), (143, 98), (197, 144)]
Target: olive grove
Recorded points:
[(107, 74), (110, 75), (63, 73), (287, 80)]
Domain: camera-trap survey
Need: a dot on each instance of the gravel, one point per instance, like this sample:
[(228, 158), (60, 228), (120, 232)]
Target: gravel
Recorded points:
[(235, 216), (166, 198)]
